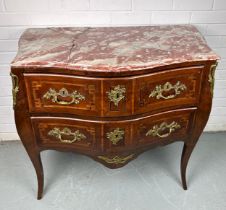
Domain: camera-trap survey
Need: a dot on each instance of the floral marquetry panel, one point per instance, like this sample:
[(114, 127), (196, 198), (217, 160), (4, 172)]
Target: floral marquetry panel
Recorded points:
[(49, 94), (60, 132), (168, 89), (163, 127)]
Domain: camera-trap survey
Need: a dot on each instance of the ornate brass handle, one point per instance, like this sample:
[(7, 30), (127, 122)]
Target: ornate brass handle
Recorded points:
[(116, 159), (116, 135), (76, 97), (77, 136), (159, 89), (116, 94), (211, 77), (157, 130), (15, 89)]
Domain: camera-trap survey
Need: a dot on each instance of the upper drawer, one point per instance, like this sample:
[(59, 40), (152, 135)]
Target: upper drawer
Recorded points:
[(51, 93), (65, 94), (167, 89), (108, 97)]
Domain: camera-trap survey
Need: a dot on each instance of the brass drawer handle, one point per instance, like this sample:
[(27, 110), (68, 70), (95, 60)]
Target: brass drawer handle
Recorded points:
[(116, 159), (77, 136), (15, 89), (76, 97), (116, 135), (157, 130), (116, 94), (159, 89)]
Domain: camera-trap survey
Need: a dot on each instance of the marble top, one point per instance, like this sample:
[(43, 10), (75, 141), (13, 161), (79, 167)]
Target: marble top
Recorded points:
[(111, 48)]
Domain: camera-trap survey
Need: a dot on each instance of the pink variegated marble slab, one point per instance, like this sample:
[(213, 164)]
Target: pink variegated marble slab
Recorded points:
[(111, 48)]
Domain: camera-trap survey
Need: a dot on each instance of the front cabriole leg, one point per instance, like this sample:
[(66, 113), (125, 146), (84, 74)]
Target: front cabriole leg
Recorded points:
[(24, 127), (201, 117), (186, 154)]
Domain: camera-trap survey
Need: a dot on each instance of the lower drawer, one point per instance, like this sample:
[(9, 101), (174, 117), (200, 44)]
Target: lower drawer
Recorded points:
[(113, 136)]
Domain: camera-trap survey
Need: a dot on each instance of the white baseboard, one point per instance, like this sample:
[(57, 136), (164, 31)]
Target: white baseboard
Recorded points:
[(215, 127), (9, 137)]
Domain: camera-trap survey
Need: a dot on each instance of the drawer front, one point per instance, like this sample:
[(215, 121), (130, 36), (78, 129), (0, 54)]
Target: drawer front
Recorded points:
[(85, 135), (164, 127), (78, 95), (168, 89), (113, 97), (64, 132), (113, 136), (63, 94)]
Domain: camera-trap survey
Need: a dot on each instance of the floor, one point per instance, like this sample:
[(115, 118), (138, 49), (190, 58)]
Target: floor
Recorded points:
[(151, 182)]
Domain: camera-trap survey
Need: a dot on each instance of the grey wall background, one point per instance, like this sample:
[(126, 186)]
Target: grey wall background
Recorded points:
[(17, 15)]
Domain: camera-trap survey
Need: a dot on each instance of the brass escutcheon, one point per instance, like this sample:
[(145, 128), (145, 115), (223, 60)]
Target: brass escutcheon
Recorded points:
[(116, 135), (116, 94)]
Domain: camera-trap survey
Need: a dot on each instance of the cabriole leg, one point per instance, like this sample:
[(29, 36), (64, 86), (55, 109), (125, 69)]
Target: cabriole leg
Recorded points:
[(37, 163), (39, 172), (186, 154)]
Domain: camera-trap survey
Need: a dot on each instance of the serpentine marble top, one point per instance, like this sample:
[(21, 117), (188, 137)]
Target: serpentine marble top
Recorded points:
[(111, 48)]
